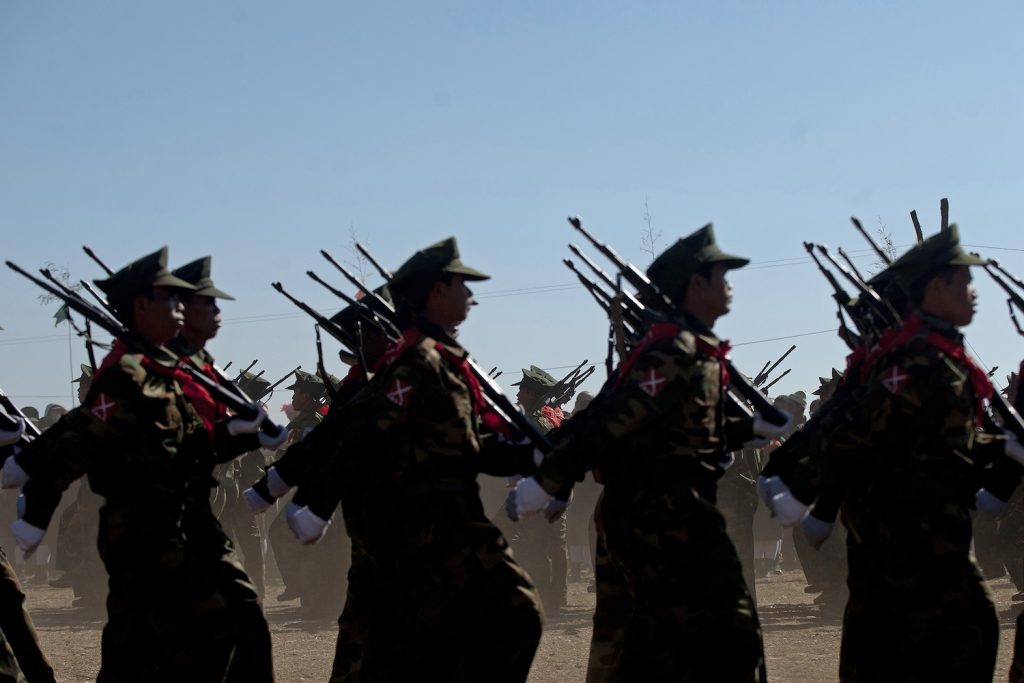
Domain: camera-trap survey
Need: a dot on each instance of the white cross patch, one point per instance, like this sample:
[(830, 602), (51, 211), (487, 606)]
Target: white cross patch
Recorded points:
[(894, 379), (652, 384), (103, 407), (398, 391)]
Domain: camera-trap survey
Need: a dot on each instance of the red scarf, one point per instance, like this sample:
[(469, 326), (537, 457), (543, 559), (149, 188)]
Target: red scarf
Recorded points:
[(413, 336), (895, 338), (721, 352), (207, 409), (655, 333)]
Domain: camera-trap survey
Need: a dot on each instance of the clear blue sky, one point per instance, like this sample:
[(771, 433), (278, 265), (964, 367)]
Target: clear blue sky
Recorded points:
[(261, 132)]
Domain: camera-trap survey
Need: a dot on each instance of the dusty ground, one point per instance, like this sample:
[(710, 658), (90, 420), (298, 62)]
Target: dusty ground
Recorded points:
[(802, 645)]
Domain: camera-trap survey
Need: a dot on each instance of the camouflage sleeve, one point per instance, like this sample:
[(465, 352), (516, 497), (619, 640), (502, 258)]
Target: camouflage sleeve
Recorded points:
[(117, 417), (664, 380)]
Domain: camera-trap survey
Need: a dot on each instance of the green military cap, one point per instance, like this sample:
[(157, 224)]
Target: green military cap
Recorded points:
[(672, 269), (252, 384), (536, 377), (30, 412), (427, 265), (308, 382), (335, 381), (86, 374), (798, 401), (139, 276), (941, 249), (197, 274)]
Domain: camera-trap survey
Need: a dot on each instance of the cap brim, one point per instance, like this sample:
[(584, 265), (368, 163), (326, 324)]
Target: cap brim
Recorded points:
[(172, 281), (729, 261), (966, 259), (468, 273), (215, 293)]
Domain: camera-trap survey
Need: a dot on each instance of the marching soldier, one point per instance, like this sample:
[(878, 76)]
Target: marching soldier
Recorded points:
[(455, 602), (539, 546), (909, 445), (178, 607), (672, 602)]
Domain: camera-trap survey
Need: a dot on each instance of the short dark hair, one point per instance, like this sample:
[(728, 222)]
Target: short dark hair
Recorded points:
[(679, 295), (917, 288), (411, 304)]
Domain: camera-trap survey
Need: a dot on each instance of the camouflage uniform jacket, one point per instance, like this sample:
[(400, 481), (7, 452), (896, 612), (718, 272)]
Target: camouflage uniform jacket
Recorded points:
[(412, 446), (661, 417), (137, 436), (910, 434)]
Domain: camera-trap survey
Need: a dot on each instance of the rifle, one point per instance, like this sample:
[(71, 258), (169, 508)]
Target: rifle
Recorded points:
[(384, 272), (242, 373), (1014, 299), (776, 380), (650, 293), (276, 384), (379, 305), (224, 392), (8, 424), (364, 312), (89, 252), (332, 393), (331, 328), (570, 390), (763, 375), (492, 393)]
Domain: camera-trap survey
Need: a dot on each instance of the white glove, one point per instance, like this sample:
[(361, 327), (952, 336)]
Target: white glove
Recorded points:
[(275, 484), (787, 509), (256, 502), (527, 498), (27, 537), (767, 487), (12, 476), (987, 505), (816, 531), (1014, 449), (306, 526), (538, 456), (9, 437), (766, 429), (237, 425), (555, 509), (273, 442), (20, 505)]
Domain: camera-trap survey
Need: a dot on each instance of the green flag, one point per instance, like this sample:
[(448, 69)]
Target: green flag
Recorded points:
[(61, 315)]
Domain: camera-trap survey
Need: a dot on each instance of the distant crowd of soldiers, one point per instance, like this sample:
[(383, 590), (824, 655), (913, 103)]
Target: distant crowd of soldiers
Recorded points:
[(909, 446)]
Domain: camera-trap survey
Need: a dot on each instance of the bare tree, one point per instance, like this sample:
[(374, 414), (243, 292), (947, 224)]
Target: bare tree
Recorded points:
[(648, 237), (886, 244), (355, 260)]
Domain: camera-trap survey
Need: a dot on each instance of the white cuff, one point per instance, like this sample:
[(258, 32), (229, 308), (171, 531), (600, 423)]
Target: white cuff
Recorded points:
[(766, 429), (238, 425), (27, 537), (12, 477), (530, 497), (788, 510), (255, 501), (306, 526)]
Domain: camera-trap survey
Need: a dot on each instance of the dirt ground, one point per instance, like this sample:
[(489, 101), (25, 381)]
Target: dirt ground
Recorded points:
[(802, 644)]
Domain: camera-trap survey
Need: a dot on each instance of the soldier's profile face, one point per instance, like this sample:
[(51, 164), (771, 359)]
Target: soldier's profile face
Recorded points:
[(449, 302), (202, 318), (158, 317), (952, 300)]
